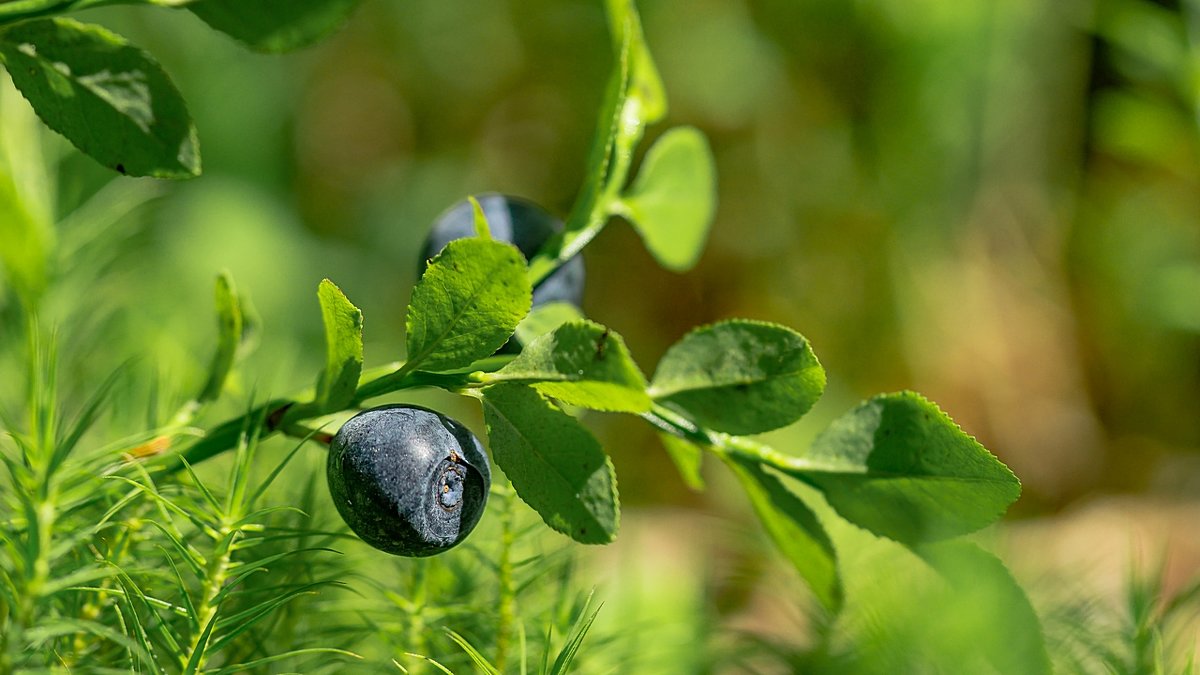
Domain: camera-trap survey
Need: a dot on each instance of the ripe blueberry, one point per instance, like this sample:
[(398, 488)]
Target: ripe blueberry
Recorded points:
[(407, 480), (520, 222)]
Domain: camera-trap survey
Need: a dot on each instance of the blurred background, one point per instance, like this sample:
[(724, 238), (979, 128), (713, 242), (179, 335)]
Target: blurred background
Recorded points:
[(994, 203)]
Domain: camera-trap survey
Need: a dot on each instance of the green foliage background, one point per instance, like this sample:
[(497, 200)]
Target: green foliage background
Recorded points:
[(992, 203)]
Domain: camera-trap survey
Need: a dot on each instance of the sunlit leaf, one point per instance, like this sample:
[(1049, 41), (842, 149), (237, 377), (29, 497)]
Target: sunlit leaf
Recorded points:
[(110, 99), (672, 201), (740, 376), (467, 304), (554, 463), (343, 348), (645, 85), (580, 363), (544, 319), (794, 528), (901, 468)]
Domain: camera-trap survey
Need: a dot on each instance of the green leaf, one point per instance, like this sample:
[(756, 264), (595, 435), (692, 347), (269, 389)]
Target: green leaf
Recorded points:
[(554, 463), (343, 348), (229, 338), (608, 126), (633, 97), (900, 467), (580, 363), (739, 376), (645, 84), (481, 662), (794, 528), (671, 203), (482, 229), (467, 304), (193, 665), (688, 458), (1009, 633), (275, 25), (545, 318), (583, 624), (110, 99)]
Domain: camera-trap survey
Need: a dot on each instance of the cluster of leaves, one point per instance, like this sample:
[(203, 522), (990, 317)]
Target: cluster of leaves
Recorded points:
[(105, 567), (111, 99), (896, 465)]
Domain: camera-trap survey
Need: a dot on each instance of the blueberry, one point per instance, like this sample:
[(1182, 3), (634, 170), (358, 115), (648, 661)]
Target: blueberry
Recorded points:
[(521, 222), (408, 480)]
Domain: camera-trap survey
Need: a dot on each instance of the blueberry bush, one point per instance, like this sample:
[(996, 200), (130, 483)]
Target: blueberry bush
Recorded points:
[(117, 555)]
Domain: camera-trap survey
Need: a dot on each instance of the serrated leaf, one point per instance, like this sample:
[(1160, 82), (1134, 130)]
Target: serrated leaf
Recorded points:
[(275, 25), (688, 459), (554, 463), (580, 363), (544, 319), (1009, 634), (900, 467), (739, 376), (672, 201), (467, 304), (794, 528), (110, 99), (229, 338), (343, 348)]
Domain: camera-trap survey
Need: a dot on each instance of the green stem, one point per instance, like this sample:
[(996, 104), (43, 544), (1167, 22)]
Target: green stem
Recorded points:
[(600, 205), (408, 378), (214, 581), (738, 447), (307, 433), (507, 605), (38, 574), (280, 415)]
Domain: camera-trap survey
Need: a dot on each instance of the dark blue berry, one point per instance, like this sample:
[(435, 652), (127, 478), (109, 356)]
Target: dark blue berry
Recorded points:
[(520, 222), (408, 480)]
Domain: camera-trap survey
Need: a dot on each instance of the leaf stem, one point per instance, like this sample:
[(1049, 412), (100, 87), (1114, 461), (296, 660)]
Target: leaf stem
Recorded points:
[(287, 413), (307, 433), (597, 206), (726, 445)]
